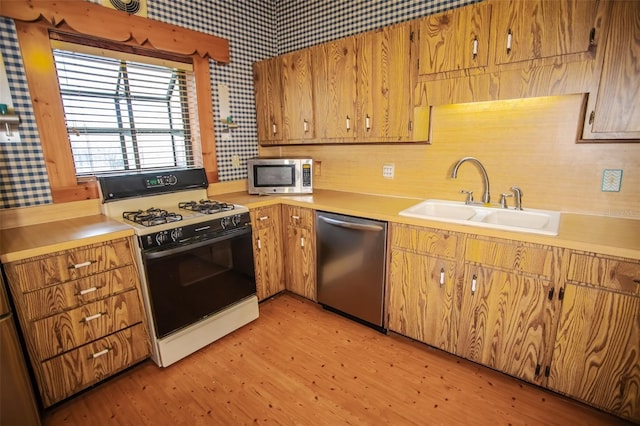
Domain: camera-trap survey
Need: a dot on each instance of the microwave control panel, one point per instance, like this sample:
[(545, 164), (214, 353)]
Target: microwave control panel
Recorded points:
[(306, 174)]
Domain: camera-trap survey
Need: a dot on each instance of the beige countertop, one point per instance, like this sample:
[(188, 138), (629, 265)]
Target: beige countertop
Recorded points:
[(598, 234), (43, 238)]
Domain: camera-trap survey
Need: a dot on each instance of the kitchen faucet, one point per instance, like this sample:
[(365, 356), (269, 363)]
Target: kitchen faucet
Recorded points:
[(485, 177)]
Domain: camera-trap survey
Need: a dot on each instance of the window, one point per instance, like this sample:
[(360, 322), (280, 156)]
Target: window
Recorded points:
[(123, 114)]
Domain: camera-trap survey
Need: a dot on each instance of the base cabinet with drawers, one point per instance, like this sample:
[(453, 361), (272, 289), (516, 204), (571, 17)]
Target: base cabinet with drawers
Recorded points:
[(81, 314), (300, 250)]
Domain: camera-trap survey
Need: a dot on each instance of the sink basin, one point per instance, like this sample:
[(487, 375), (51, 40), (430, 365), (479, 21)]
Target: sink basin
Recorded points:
[(530, 220)]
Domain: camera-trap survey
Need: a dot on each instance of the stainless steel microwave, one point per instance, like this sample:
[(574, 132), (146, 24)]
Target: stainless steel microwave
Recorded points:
[(268, 175)]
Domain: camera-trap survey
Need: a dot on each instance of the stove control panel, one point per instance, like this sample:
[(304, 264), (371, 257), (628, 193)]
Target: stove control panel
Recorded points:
[(186, 234)]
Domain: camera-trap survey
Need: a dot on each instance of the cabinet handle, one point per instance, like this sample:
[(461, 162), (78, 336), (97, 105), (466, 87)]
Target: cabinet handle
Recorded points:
[(274, 128), (82, 265), (474, 282), (259, 244), (509, 37), (305, 126), (294, 217), (261, 218), (475, 48), (101, 353), (348, 123), (88, 290), (301, 241), (92, 317), (367, 122), (441, 277)]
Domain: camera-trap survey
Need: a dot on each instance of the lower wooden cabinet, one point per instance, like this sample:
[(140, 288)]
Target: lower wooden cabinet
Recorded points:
[(300, 251), (81, 314), (596, 356), (268, 250)]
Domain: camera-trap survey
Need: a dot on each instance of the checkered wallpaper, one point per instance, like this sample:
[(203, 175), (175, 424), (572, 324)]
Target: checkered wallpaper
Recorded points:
[(255, 30)]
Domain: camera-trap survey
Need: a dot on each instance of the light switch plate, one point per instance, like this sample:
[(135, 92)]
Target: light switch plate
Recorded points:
[(611, 180)]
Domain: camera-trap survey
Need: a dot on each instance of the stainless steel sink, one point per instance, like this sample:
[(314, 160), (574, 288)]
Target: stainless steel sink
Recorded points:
[(530, 220)]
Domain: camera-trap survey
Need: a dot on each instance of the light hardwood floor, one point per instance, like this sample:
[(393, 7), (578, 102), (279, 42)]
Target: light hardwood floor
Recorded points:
[(299, 364)]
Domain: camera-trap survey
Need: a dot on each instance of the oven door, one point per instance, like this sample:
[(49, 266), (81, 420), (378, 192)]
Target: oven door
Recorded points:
[(192, 281)]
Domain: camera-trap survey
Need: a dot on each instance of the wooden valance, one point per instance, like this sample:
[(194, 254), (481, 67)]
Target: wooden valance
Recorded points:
[(95, 20)]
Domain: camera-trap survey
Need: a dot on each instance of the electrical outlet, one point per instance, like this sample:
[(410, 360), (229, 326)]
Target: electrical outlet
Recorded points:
[(611, 180), (388, 170), (235, 161)]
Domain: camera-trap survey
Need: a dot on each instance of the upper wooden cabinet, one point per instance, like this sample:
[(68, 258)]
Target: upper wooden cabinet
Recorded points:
[(614, 111), (297, 96), (334, 82), (385, 84), (454, 40), (268, 91), (535, 29)]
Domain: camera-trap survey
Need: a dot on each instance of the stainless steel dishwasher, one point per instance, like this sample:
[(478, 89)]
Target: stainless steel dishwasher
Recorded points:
[(351, 266)]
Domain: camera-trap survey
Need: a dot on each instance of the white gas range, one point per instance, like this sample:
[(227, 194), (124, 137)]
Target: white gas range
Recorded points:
[(195, 256)]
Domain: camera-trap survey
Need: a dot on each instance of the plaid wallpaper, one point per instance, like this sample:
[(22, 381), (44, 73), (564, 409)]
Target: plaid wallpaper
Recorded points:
[(255, 30)]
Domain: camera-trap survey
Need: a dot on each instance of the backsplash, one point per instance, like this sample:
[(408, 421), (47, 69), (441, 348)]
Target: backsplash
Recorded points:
[(255, 30)]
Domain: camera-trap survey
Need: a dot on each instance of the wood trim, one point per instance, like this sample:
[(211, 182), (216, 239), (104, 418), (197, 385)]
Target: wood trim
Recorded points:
[(205, 117), (83, 16)]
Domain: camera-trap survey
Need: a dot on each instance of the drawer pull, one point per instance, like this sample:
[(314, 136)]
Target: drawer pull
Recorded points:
[(87, 291), (294, 217), (441, 277), (474, 282), (101, 353), (261, 218), (259, 245), (92, 317), (82, 265)]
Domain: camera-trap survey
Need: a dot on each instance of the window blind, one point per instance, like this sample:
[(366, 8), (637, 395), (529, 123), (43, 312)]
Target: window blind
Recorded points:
[(123, 115)]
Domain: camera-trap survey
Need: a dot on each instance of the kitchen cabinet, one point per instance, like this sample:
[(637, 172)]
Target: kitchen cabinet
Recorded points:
[(536, 29), (423, 276), (506, 305), (299, 251), (268, 92), (613, 111), (297, 96), (457, 39), (596, 355), (385, 85), (81, 314), (268, 250), (334, 79)]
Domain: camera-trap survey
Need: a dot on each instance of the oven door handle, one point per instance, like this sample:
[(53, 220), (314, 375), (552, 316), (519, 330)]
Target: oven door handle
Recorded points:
[(190, 246)]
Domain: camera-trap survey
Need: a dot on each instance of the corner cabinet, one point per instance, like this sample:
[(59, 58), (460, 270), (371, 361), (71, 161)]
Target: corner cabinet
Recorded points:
[(268, 250), (423, 276), (596, 357), (81, 314), (300, 251)]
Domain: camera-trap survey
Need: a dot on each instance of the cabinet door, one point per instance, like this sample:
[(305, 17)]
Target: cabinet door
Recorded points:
[(617, 110), (268, 92), (421, 297), (300, 262), (596, 357), (454, 40), (268, 262), (334, 78), (503, 320), (297, 89), (535, 29), (384, 84)]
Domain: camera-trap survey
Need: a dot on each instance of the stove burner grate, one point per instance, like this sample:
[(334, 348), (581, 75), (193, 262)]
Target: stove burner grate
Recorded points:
[(206, 206), (152, 216)]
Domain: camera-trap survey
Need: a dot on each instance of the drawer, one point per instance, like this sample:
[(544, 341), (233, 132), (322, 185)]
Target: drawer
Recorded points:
[(265, 217), (69, 373), (514, 256), (613, 273), (37, 272), (62, 332), (55, 299), (424, 240), (298, 216)]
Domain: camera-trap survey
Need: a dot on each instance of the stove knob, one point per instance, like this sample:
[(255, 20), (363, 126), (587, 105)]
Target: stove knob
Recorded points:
[(236, 220), (161, 238), (176, 234), (224, 222)]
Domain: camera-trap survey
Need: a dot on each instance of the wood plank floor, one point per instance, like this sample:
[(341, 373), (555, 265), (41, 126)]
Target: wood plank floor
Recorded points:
[(299, 364)]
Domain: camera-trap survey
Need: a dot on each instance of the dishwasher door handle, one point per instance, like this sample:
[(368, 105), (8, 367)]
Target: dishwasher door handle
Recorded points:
[(351, 225)]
